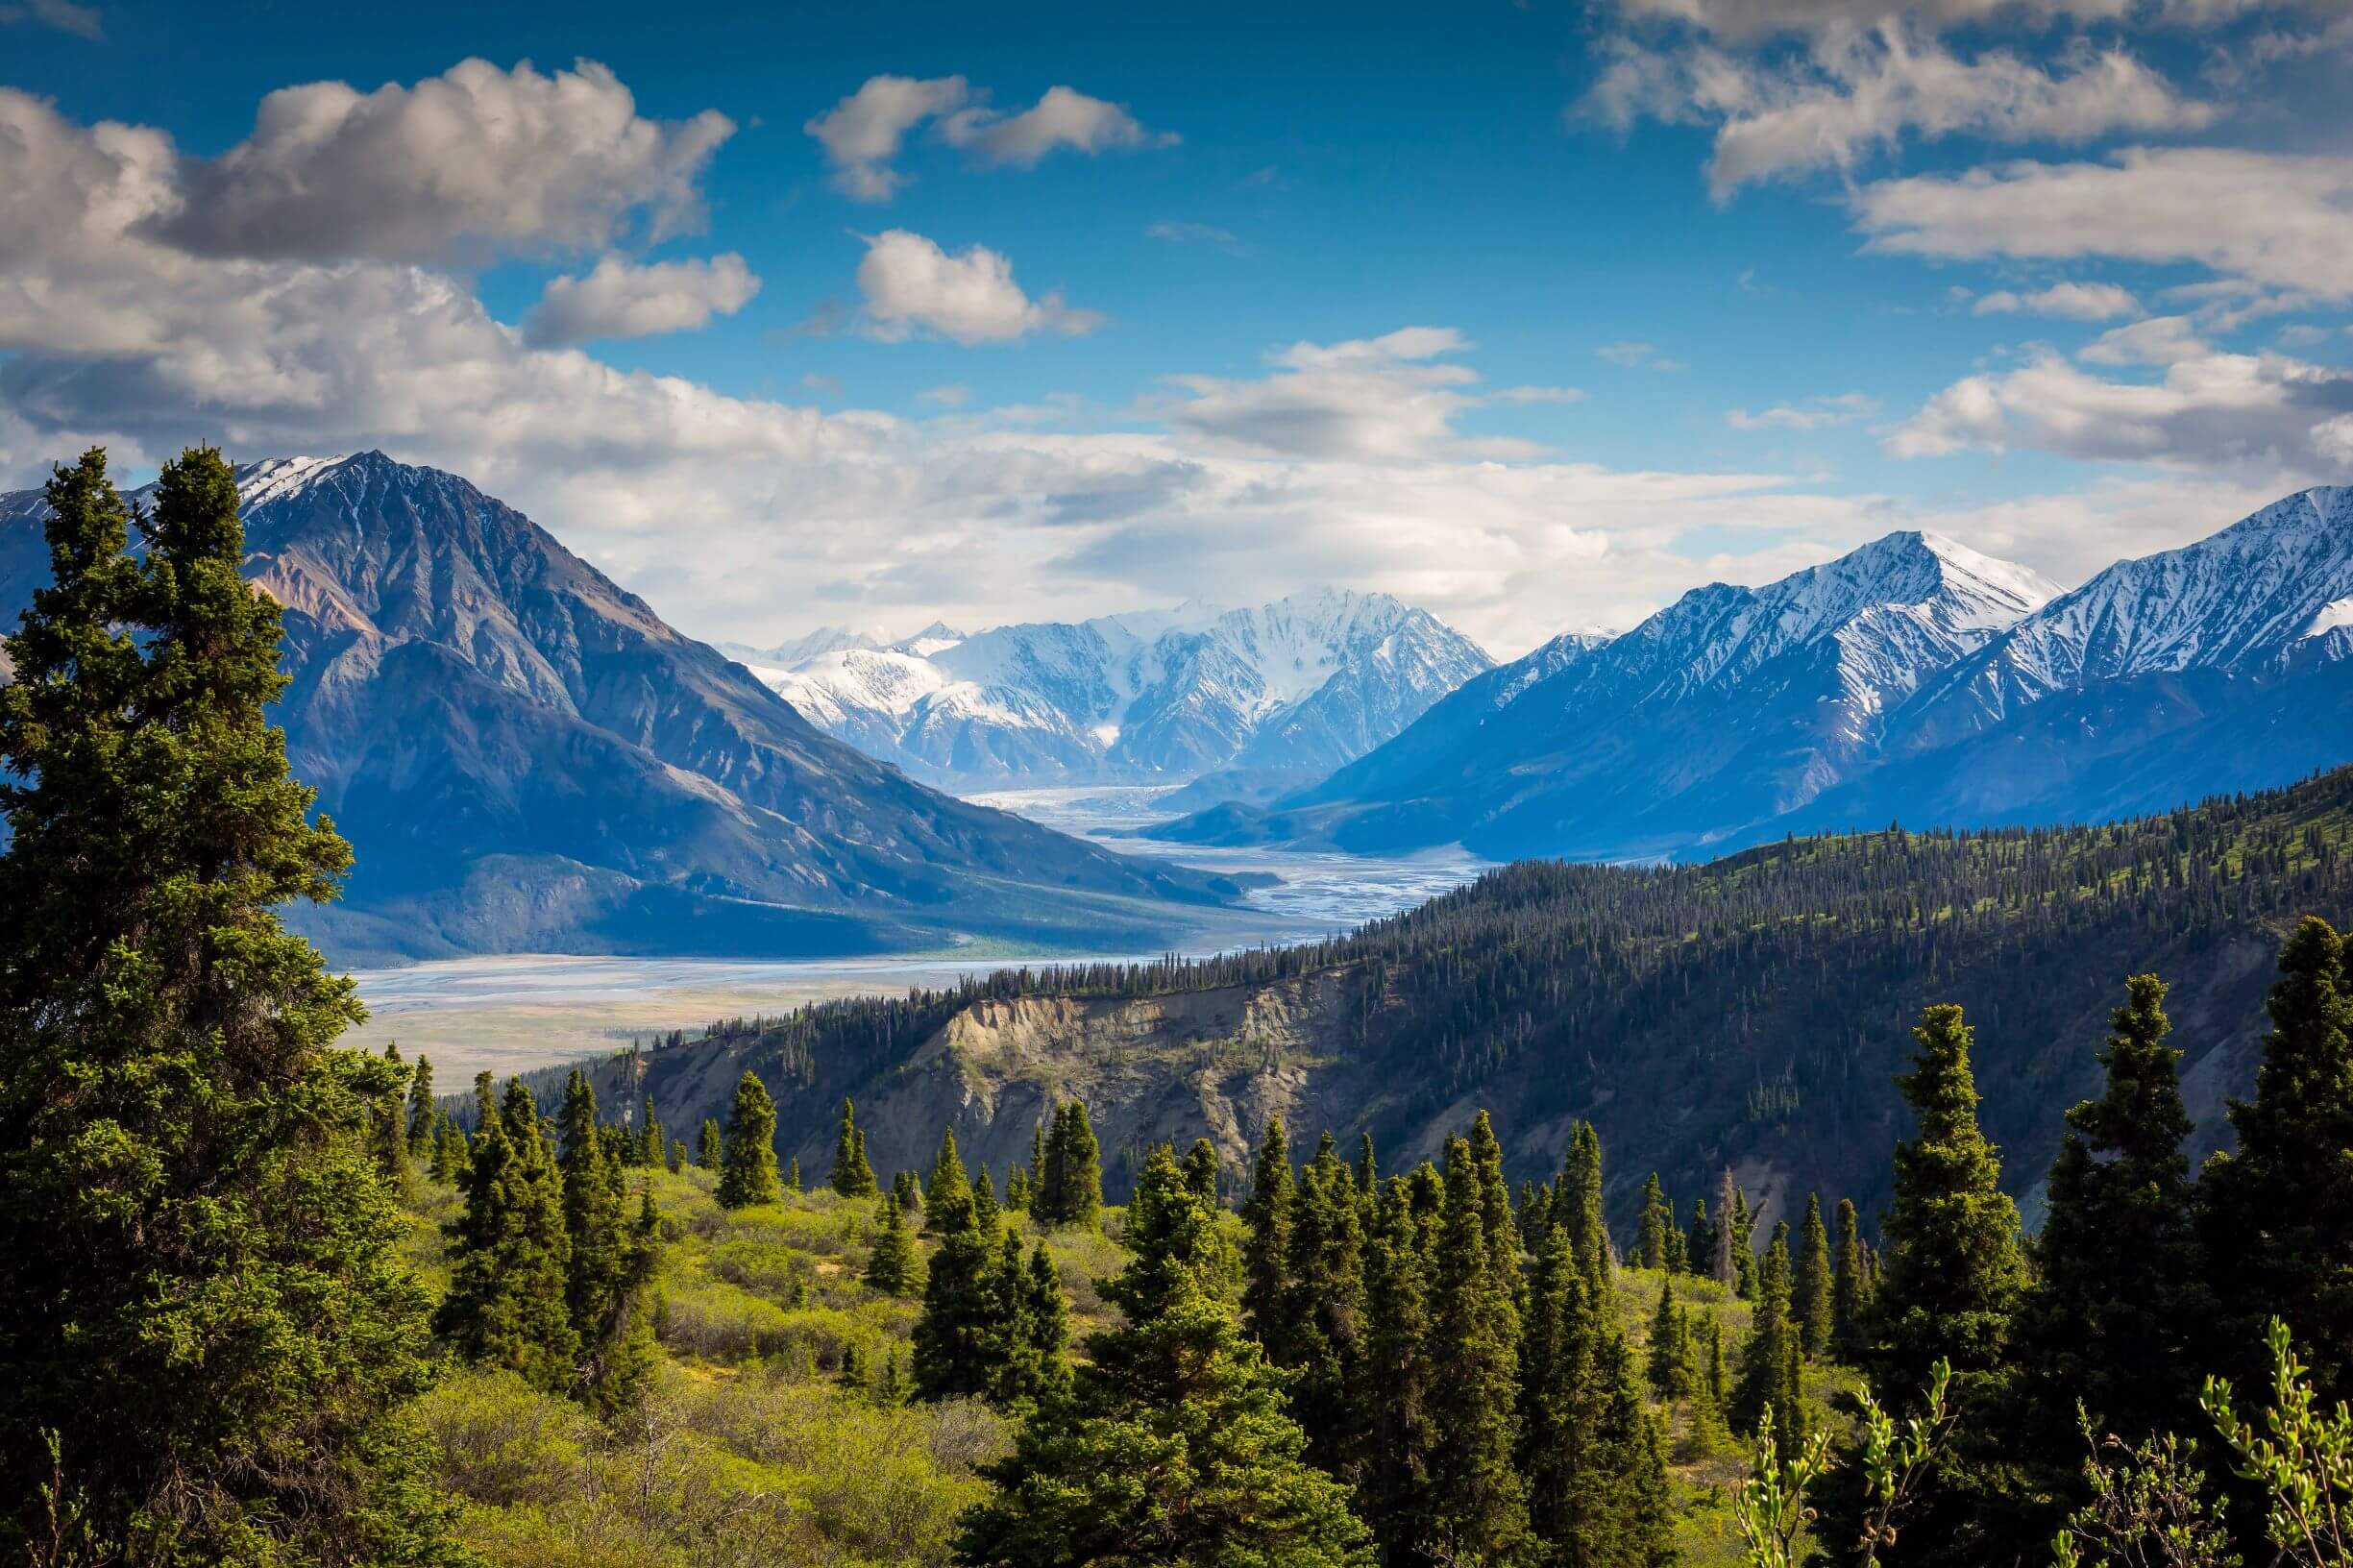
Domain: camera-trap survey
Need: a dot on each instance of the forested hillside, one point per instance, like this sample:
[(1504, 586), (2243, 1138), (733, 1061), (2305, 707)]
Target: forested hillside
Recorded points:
[(1747, 1011)]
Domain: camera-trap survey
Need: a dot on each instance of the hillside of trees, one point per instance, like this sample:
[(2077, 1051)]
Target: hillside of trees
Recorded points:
[(1747, 1013)]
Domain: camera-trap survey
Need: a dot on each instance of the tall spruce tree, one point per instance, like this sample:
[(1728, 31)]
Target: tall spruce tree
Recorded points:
[(1174, 1446), (1478, 1505), (595, 1229), (1495, 1218), (1727, 1238), (1266, 1214), (2108, 1319), (1812, 1289), (892, 1267), (1322, 1309), (1699, 1247), (1400, 1436), (1771, 1370), (205, 1302), (388, 1125), (959, 1341), (1075, 1165), (1579, 1205), (851, 1176), (947, 1191), (1201, 1173), (421, 1110), (509, 1255), (747, 1149), (1954, 1273), (2276, 1216), (1849, 1298), (1657, 1224)]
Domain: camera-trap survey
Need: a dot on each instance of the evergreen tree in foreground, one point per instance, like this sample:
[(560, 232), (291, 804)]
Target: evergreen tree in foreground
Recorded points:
[(851, 1176), (2107, 1322), (1074, 1185), (420, 1112), (747, 1150), (892, 1267), (1266, 1249), (1771, 1388), (1174, 1446), (1477, 1508), (1657, 1224), (2277, 1216), (707, 1144), (1849, 1296), (1811, 1287), (205, 1301)]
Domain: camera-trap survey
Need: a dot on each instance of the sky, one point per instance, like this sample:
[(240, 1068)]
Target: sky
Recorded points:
[(1533, 314)]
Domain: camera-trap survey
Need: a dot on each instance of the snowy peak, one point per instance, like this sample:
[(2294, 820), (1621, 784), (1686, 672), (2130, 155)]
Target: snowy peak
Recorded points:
[(1307, 682), (2243, 599)]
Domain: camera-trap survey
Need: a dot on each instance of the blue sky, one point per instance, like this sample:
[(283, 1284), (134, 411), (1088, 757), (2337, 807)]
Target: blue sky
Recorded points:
[(1535, 314)]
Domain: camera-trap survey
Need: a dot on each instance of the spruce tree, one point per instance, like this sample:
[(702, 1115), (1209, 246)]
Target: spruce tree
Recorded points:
[(1267, 1248), (1201, 1170), (1495, 1218), (1075, 1186), (2107, 1321), (1368, 1169), (792, 1176), (947, 1192), (1658, 1222), (1669, 1366), (892, 1267), (1322, 1311), (1955, 1268), (388, 1125), (2276, 1216), (1744, 1245), (601, 1262), (679, 1159), (1678, 1257), (1174, 1446), (1399, 1434), (509, 1254), (1017, 1190), (707, 1144), (1580, 1201), (1699, 1247), (449, 1151), (1478, 1505), (650, 1140), (421, 1111), (205, 1304), (1847, 1297), (987, 1213), (1771, 1386), (748, 1151), (1726, 1238), (1812, 1289), (959, 1339), (851, 1176)]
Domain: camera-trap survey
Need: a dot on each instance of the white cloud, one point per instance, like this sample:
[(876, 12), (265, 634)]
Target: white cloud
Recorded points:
[(1064, 118), (1638, 356), (1537, 394), (2231, 414), (477, 159), (2159, 340), (65, 15), (1854, 91), (953, 394), (864, 133), (1813, 414), (911, 286), (621, 299), (1192, 234), (2077, 302), (1750, 22), (1379, 400), (2276, 219)]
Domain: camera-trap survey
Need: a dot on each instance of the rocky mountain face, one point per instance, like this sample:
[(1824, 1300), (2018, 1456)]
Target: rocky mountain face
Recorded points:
[(527, 757), (1299, 686), (1912, 680)]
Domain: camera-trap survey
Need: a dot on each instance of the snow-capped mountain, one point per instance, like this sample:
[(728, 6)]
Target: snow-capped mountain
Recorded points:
[(1305, 683), (1731, 706), (527, 757), (800, 649)]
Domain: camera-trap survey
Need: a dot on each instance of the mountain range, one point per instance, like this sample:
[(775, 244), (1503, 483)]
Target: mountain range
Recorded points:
[(1913, 679), (1291, 689), (527, 757)]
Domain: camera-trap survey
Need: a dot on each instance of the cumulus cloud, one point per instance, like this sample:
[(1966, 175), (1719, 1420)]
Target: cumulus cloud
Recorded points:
[(1813, 414), (1065, 117), (622, 299), (65, 15), (2230, 414), (2077, 302), (2279, 220), (864, 133), (911, 285), (1849, 93), (477, 159), (2159, 340)]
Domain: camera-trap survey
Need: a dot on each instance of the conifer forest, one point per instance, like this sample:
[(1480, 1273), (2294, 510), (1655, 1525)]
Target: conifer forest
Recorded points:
[(2009, 1300)]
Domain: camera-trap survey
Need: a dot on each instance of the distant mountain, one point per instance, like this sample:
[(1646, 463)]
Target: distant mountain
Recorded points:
[(2219, 667), (525, 757), (1912, 680), (1729, 707), (1297, 687), (800, 649)]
